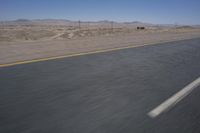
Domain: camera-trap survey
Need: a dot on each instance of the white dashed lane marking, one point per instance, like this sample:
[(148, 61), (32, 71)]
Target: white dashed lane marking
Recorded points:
[(172, 101)]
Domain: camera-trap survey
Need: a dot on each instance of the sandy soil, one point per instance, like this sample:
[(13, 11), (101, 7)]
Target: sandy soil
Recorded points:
[(33, 42)]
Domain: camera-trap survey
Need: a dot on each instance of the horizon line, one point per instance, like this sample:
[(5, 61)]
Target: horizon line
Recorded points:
[(105, 20)]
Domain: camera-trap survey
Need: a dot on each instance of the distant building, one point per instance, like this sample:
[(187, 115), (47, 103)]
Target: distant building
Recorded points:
[(140, 28)]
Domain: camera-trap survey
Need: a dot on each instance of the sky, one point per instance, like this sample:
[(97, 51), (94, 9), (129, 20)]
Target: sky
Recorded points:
[(151, 11)]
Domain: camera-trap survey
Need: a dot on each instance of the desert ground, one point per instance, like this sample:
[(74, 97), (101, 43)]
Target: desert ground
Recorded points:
[(23, 40)]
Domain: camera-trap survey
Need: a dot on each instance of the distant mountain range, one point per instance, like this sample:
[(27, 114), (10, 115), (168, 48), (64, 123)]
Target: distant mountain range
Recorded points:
[(69, 22), (64, 22)]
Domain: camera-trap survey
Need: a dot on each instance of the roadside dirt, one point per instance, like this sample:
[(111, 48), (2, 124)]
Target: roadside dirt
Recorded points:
[(79, 41)]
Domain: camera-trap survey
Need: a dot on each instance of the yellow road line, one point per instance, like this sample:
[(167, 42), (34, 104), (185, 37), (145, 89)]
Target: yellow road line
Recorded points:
[(65, 56), (78, 54)]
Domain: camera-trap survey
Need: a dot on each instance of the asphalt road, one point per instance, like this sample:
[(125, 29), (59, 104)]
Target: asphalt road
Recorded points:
[(108, 92)]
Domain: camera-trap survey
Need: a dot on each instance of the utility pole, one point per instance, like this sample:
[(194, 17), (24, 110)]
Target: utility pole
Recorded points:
[(79, 24), (88, 25), (112, 25)]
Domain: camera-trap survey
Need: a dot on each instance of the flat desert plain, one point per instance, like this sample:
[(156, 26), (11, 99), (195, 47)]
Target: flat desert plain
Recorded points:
[(25, 40)]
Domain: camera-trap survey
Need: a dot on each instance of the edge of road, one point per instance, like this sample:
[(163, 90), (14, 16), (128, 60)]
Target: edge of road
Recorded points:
[(89, 52)]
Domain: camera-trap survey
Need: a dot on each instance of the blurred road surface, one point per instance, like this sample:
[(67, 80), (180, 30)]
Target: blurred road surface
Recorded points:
[(109, 92)]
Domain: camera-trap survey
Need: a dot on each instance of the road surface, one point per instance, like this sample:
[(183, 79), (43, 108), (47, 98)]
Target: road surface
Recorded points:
[(110, 92)]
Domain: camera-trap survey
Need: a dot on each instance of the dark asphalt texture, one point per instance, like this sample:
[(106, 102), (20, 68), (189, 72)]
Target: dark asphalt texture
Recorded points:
[(108, 92)]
